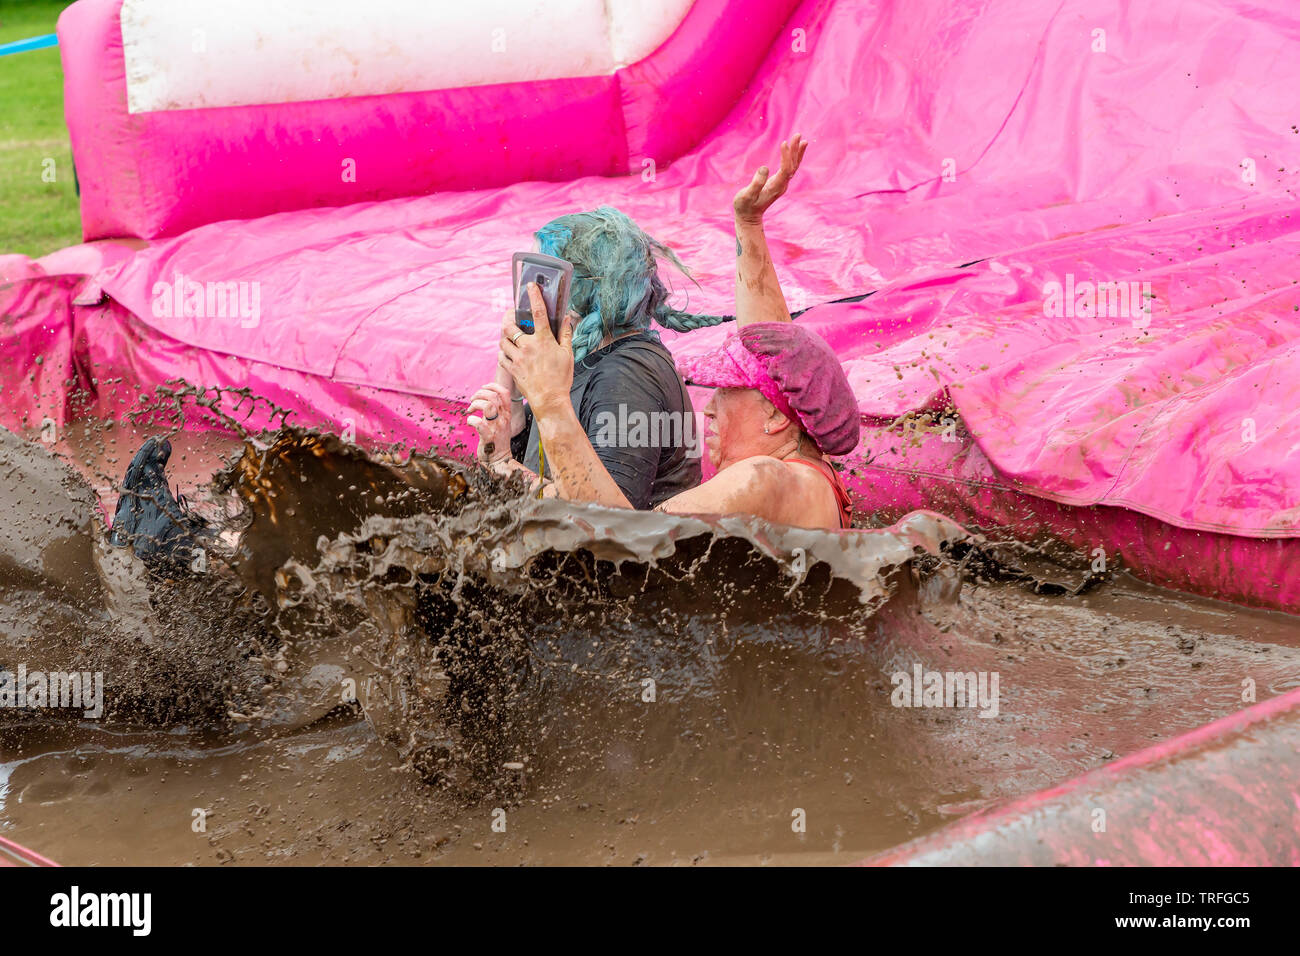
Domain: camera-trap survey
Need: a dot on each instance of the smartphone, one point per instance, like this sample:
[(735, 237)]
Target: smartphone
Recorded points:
[(553, 276)]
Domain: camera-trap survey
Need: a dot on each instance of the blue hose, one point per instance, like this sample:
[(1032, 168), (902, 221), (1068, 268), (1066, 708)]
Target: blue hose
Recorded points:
[(31, 43)]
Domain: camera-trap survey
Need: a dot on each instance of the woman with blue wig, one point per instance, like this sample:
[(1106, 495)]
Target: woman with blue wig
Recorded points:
[(626, 389)]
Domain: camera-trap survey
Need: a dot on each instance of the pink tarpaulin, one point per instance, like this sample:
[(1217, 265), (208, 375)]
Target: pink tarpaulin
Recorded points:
[(1208, 797), (1120, 350)]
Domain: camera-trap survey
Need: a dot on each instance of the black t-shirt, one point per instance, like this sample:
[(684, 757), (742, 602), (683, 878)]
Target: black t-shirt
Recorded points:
[(637, 413)]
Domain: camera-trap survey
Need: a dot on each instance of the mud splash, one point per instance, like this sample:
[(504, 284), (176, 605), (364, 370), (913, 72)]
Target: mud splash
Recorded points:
[(390, 659)]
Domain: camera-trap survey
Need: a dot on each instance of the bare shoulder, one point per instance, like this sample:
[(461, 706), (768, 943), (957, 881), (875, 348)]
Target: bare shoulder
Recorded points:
[(766, 469), (761, 485), (782, 492), (761, 475), (758, 468)]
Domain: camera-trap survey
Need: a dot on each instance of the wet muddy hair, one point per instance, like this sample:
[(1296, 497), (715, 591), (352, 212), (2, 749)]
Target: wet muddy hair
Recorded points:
[(616, 284)]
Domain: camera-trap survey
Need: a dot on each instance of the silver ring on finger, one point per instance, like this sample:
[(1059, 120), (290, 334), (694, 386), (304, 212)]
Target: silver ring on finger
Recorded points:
[(514, 339)]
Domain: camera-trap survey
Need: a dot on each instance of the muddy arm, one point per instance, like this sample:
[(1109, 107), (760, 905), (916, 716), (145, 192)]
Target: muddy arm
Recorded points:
[(758, 291), (577, 471)]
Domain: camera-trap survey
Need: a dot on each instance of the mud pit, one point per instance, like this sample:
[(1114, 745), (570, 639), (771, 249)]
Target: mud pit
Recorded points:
[(500, 650)]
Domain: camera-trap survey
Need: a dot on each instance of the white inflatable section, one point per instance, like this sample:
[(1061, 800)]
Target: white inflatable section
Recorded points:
[(189, 54), (637, 27)]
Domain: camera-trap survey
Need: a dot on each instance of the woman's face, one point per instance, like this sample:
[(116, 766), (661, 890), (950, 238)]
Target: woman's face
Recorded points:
[(734, 430)]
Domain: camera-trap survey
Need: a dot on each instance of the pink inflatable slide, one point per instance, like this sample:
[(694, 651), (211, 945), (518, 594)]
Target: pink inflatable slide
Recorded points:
[(1081, 263)]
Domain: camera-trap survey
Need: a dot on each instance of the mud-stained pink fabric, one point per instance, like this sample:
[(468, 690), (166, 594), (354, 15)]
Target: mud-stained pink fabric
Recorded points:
[(894, 472), (1188, 413), (1220, 795)]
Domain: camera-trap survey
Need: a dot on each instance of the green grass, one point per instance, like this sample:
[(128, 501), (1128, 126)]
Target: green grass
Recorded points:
[(36, 217)]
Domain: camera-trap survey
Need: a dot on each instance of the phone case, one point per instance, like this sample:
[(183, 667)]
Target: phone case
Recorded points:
[(555, 277)]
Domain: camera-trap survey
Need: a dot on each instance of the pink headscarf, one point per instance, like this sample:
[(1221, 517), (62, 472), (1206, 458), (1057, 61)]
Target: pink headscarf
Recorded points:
[(792, 368)]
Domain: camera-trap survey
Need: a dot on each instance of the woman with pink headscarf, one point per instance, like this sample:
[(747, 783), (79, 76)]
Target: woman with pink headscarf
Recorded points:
[(781, 402)]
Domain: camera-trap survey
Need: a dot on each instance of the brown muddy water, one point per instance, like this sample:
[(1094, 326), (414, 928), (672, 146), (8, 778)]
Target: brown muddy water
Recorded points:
[(390, 661)]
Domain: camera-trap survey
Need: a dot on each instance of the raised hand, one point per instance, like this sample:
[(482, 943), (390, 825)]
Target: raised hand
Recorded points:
[(752, 201)]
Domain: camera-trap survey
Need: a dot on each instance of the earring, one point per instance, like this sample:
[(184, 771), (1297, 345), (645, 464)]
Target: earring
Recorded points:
[(765, 430)]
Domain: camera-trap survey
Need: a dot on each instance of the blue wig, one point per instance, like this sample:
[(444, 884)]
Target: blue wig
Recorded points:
[(616, 285)]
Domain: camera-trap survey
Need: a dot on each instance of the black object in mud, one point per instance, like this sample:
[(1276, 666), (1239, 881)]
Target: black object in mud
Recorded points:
[(159, 526)]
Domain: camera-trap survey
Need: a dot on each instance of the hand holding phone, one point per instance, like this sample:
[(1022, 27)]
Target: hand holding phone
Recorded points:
[(553, 278)]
